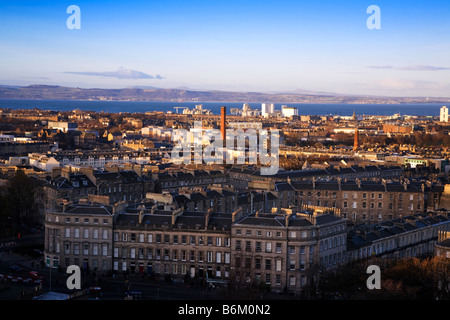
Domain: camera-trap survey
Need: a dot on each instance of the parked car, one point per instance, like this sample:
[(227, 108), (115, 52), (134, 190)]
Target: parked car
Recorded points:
[(35, 275)]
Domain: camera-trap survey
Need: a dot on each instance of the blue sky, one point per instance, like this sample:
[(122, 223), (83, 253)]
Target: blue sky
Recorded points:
[(230, 45)]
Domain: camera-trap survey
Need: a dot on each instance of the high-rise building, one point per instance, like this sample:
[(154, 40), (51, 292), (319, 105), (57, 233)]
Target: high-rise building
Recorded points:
[(443, 117), (267, 109)]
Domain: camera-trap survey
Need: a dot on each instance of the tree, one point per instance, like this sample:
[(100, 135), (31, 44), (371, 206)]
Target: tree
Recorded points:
[(22, 203), (244, 284), (401, 279)]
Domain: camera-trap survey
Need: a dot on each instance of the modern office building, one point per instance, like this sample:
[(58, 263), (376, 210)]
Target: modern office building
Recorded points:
[(64, 126), (443, 115), (289, 111), (267, 109)]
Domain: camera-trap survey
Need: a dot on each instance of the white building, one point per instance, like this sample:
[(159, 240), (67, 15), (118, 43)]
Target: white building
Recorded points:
[(443, 117), (247, 111), (42, 162), (6, 138), (289, 111), (157, 132), (267, 109), (197, 110), (64, 126)]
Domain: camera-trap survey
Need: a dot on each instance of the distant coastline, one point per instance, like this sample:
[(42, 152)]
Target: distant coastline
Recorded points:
[(341, 109), (186, 95)]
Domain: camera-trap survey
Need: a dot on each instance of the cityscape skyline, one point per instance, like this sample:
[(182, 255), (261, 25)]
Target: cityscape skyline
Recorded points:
[(226, 150), (263, 46), (109, 198)]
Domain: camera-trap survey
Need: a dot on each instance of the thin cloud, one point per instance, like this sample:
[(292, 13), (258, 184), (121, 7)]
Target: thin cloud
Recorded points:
[(380, 67), (121, 73), (402, 84), (423, 68), (411, 68)]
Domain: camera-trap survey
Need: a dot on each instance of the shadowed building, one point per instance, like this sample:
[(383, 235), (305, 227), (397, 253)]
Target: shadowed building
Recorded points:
[(283, 250), (80, 234)]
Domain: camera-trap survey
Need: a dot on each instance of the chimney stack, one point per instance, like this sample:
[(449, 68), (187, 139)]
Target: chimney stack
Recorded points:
[(141, 216), (223, 126), (236, 215), (356, 140), (207, 218), (175, 214), (286, 219)]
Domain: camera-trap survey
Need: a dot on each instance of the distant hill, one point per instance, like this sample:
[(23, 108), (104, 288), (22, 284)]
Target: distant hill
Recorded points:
[(184, 94)]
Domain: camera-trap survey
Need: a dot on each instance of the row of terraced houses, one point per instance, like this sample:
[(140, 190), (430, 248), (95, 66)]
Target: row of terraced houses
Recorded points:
[(200, 224), (282, 249)]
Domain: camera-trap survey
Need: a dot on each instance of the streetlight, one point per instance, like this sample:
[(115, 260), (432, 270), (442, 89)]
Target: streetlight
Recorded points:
[(49, 262)]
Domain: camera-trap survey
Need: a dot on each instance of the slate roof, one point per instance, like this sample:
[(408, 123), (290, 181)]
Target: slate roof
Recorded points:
[(299, 222), (369, 186), (162, 218), (130, 176), (89, 210), (363, 235), (283, 186), (445, 243), (105, 175), (75, 181), (326, 218), (301, 173), (268, 220)]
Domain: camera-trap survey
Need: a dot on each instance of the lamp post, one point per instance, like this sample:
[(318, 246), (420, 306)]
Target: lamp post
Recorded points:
[(50, 265), (50, 260)]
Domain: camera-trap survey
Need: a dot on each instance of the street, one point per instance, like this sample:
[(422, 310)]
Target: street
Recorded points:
[(112, 287)]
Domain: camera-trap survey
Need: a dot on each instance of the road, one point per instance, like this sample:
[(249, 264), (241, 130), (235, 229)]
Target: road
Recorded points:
[(113, 288)]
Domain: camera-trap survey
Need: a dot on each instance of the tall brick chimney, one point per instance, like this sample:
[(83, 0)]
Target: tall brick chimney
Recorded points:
[(223, 125), (356, 141)]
